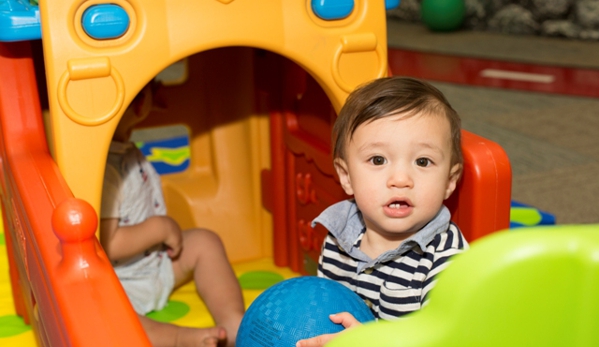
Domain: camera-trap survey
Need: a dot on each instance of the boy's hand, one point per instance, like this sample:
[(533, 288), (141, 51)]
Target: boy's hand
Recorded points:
[(121, 243), (174, 237), (344, 318)]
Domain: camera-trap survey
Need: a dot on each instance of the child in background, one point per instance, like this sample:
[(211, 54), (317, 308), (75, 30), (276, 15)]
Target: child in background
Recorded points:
[(397, 151), (152, 255)]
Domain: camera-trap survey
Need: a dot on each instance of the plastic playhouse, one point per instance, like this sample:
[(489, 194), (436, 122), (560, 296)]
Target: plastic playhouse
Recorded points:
[(251, 88)]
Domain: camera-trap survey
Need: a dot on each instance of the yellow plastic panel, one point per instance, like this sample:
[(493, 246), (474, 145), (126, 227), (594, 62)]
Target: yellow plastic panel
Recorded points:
[(339, 54)]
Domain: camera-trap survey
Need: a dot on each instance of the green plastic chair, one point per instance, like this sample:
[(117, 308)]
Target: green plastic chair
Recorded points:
[(532, 287)]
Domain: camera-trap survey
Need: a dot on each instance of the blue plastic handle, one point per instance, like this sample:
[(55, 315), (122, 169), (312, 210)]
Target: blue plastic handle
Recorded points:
[(332, 9), (105, 21)]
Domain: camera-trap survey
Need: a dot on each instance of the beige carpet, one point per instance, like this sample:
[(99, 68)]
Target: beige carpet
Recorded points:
[(552, 140)]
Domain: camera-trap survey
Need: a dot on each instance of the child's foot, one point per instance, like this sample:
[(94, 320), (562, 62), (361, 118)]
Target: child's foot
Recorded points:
[(195, 337)]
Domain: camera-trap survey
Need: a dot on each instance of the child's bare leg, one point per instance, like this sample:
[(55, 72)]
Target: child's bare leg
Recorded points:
[(204, 259), (169, 335)]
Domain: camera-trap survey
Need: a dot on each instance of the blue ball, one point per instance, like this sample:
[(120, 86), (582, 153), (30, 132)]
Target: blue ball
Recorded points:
[(298, 308)]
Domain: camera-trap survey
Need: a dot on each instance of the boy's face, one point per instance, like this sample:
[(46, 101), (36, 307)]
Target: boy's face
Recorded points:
[(399, 171)]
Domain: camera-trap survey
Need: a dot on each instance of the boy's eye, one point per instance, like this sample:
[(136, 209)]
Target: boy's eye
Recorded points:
[(424, 162), (378, 160)]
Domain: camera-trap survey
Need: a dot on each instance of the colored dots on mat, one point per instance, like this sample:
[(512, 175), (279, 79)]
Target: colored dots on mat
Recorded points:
[(259, 279), (12, 325), (171, 312)]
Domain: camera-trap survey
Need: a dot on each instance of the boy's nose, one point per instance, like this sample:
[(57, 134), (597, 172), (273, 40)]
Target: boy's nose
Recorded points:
[(400, 179)]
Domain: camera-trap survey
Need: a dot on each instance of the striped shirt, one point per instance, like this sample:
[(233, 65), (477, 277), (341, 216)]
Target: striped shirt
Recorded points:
[(398, 281)]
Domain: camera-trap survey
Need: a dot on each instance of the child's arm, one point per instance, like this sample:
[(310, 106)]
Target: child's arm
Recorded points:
[(124, 242), (344, 318)]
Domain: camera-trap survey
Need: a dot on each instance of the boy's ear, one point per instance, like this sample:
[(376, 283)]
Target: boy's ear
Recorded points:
[(454, 176), (343, 173)]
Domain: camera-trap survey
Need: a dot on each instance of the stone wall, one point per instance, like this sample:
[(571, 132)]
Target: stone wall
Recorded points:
[(574, 19)]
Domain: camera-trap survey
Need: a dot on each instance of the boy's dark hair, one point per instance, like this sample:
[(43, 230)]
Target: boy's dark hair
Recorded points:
[(390, 96)]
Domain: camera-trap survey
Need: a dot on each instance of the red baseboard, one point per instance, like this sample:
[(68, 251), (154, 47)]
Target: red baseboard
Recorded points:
[(491, 73)]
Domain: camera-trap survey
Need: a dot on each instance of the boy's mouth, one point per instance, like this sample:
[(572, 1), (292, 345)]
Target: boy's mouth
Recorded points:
[(398, 208), (397, 204)]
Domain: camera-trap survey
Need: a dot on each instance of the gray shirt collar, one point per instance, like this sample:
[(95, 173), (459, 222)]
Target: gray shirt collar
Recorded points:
[(344, 221)]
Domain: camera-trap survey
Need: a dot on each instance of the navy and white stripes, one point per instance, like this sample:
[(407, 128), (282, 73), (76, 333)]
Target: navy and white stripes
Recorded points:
[(396, 286)]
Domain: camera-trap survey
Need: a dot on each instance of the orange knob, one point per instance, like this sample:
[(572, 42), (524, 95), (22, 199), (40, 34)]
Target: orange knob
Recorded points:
[(74, 220)]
